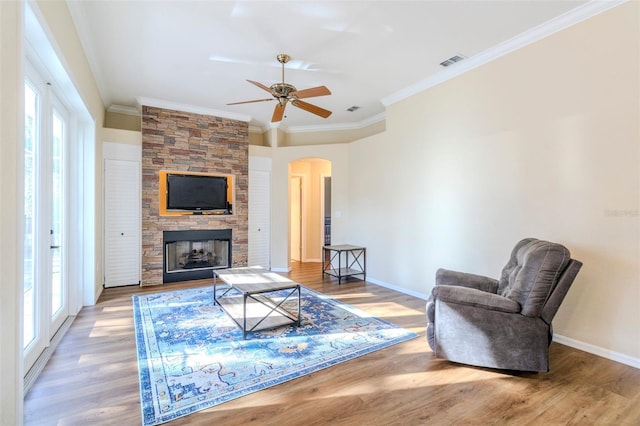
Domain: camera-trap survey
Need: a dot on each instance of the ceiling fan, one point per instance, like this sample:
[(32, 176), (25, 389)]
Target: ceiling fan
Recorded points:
[(285, 92)]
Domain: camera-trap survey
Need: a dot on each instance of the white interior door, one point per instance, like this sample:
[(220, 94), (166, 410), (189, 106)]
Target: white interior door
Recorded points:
[(122, 224), (259, 218), (325, 209), (295, 192)]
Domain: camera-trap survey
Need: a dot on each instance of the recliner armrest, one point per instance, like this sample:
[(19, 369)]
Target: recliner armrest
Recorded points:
[(464, 279), (476, 298)]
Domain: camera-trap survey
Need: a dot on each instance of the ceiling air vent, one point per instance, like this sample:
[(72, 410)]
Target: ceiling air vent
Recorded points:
[(353, 108), (452, 60)]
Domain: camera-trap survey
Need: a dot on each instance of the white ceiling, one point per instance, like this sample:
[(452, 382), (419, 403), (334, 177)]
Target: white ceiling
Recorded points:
[(199, 53)]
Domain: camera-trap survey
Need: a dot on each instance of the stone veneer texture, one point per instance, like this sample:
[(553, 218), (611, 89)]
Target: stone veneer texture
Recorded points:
[(181, 141)]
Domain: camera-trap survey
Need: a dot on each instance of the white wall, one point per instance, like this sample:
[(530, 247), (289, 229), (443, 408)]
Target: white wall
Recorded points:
[(338, 155), (544, 143), (11, 127), (59, 27)]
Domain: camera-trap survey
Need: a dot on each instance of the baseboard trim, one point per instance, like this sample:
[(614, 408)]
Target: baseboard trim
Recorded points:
[(597, 350), (417, 294), (577, 344)]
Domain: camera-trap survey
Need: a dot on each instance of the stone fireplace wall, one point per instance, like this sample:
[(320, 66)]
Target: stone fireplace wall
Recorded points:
[(182, 141)]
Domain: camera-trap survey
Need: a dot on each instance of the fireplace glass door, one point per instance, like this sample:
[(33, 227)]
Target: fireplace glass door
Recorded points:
[(193, 255)]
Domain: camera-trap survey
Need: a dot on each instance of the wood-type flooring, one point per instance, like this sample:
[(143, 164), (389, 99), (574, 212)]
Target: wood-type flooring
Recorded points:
[(92, 377)]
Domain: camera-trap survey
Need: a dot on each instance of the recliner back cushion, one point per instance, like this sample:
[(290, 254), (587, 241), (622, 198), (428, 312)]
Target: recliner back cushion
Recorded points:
[(532, 272)]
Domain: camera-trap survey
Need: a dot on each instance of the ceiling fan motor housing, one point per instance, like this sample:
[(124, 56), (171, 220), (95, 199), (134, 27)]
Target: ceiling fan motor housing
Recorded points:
[(282, 90)]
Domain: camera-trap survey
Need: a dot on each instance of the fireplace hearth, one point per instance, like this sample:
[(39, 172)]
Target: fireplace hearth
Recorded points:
[(194, 254)]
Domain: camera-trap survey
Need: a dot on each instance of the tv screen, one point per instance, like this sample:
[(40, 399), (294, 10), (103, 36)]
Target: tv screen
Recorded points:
[(196, 193)]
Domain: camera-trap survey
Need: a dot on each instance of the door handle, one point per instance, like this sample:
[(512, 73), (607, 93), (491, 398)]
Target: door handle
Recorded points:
[(52, 240)]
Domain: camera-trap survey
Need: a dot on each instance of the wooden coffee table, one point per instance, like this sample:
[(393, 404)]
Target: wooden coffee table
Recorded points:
[(248, 295)]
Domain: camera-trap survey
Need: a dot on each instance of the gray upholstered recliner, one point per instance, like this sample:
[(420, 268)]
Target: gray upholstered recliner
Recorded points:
[(504, 323)]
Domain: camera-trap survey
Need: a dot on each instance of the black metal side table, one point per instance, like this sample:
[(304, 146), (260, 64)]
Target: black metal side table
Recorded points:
[(344, 261)]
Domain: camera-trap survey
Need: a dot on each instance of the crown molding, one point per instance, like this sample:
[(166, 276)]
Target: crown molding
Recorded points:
[(257, 127), (559, 23), (357, 125), (121, 109), (160, 103)]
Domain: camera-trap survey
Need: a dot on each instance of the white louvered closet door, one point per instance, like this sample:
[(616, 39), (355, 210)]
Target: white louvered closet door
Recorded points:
[(259, 218), (122, 227)]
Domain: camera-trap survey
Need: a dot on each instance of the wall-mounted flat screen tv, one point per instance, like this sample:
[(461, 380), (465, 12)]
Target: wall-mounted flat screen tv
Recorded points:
[(197, 193)]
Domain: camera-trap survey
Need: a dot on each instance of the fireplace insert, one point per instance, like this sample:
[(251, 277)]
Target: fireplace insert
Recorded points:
[(194, 254)]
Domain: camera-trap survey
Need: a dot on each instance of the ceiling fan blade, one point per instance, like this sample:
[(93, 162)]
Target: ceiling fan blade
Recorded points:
[(278, 113), (248, 102), (312, 92), (314, 109), (260, 85)]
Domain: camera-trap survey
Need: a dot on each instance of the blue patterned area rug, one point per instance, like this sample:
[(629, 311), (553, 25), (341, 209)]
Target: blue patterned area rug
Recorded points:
[(192, 356)]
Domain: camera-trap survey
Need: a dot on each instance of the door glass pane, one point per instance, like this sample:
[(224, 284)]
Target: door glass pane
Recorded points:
[(57, 193), (30, 142)]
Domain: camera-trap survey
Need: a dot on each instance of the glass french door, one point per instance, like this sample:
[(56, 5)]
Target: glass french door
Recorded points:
[(45, 287), (57, 202)]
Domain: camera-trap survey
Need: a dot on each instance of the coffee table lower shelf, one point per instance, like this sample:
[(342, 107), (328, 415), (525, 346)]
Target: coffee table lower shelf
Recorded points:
[(257, 312)]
